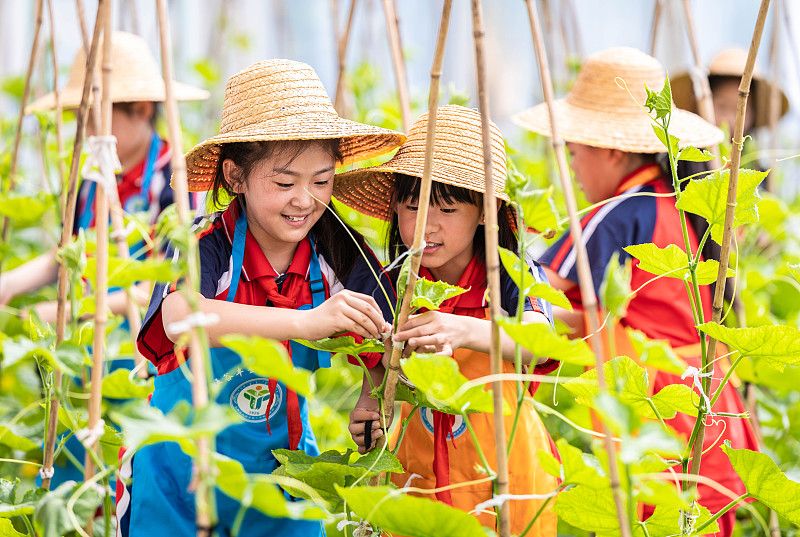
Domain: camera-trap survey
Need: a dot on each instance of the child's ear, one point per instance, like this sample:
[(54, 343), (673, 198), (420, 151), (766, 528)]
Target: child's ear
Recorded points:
[(233, 176)]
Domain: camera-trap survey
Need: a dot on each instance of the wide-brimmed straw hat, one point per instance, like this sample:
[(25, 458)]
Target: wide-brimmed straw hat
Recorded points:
[(283, 100), (135, 76), (457, 161), (600, 112), (730, 63)]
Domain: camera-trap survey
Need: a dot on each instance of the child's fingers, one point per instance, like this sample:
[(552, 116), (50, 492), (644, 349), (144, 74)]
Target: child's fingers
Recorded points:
[(365, 316), (415, 321), (408, 333), (374, 311), (364, 414), (361, 443)]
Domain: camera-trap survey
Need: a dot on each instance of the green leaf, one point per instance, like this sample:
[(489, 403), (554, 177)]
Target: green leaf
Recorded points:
[(119, 385), (580, 468), (764, 481), (538, 208), (651, 438), (666, 520), (672, 262), (269, 358), (543, 342), (631, 380), (656, 353), (520, 273), (779, 344), (51, 518), (398, 513), (331, 468), (439, 379), (9, 436), (693, 154), (73, 254), (659, 102), (430, 295), (549, 463), (126, 272), (344, 345), (708, 198), (24, 211), (590, 509), (615, 291), (260, 492), (673, 141), (7, 529)]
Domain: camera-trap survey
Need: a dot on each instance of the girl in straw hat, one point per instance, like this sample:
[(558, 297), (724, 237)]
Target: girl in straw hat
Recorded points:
[(142, 185), (435, 447), (277, 264), (143, 182), (614, 151)]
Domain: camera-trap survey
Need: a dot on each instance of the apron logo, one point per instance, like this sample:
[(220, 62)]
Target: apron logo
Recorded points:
[(250, 400), (459, 427)]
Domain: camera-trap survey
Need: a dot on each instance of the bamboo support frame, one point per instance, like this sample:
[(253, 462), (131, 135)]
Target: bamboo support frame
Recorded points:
[(390, 388), (724, 259), (60, 166), (501, 486), (12, 170), (588, 296), (344, 39), (80, 11), (101, 256), (398, 63), (204, 491), (774, 97), (654, 25), (66, 232)]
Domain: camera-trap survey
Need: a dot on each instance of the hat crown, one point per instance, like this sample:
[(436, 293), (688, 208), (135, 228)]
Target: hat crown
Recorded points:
[(596, 87), (273, 90), (129, 52), (458, 130), (729, 62)]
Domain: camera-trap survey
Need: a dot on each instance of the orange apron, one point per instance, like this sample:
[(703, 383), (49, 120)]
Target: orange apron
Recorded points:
[(738, 431), (416, 453)]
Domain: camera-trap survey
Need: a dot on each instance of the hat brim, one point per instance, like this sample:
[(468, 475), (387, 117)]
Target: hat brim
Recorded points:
[(131, 92), (369, 190), (358, 142), (630, 132), (683, 95)]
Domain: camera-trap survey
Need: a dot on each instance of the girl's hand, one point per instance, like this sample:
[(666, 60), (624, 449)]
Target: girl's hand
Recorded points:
[(435, 332), (366, 414), (346, 311)]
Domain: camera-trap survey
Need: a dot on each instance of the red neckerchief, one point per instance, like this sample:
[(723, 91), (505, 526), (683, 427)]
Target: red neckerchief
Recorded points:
[(130, 183), (257, 268), (469, 304)]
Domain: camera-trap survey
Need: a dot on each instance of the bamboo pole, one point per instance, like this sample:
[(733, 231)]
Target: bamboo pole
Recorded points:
[(501, 487), (657, 10), (12, 170), (418, 245), (80, 12), (204, 491), (588, 296), (66, 231), (398, 63), (101, 257), (62, 172), (699, 76), (774, 97), (344, 39), (724, 258)]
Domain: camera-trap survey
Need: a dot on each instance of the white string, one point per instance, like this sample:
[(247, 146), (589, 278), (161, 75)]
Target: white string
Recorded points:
[(102, 163), (47, 473), (193, 321), (89, 436), (697, 74), (411, 478), (500, 499), (407, 253), (695, 373)]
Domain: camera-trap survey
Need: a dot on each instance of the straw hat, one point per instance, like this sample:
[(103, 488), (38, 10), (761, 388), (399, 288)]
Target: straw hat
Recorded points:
[(730, 63), (457, 161), (135, 76), (281, 100), (600, 113)]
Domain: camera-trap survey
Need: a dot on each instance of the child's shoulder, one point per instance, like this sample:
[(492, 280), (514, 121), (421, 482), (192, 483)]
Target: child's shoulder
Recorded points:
[(212, 236)]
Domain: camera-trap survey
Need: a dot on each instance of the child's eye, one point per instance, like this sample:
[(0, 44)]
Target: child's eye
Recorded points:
[(322, 182), (284, 185), (447, 210), (412, 208)]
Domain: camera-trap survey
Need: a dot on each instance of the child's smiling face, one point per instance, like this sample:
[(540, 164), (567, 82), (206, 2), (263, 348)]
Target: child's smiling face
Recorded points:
[(449, 235), (285, 195)]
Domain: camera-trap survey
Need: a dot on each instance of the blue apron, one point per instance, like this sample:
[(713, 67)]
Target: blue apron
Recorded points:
[(162, 472), (65, 469)]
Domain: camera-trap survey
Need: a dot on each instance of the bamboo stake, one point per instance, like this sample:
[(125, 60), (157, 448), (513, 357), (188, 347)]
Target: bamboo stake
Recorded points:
[(418, 245), (657, 9), (699, 76), (492, 272), (774, 91), (204, 493), (101, 256), (588, 296), (344, 39), (94, 118), (79, 10), (724, 258), (398, 63), (12, 170), (62, 171), (66, 232)]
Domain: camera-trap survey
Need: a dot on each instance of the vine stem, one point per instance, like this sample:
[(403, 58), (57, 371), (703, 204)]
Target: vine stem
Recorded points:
[(521, 385), (722, 511), (588, 296), (727, 231)]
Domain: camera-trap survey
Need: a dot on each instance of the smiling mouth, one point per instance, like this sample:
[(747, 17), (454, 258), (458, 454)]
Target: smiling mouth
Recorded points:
[(295, 220), (432, 246)]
